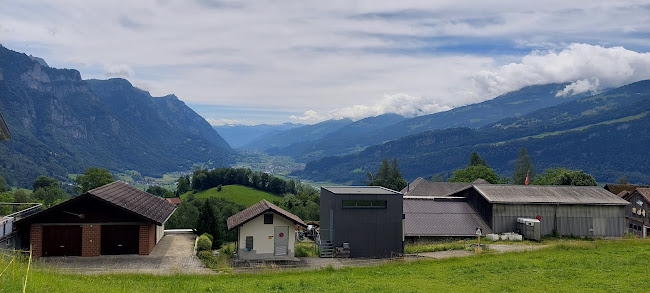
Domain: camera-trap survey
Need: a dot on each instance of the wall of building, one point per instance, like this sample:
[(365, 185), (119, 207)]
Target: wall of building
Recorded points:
[(160, 232), (370, 232), (147, 238), (576, 220), (91, 240), (263, 238), (637, 215)]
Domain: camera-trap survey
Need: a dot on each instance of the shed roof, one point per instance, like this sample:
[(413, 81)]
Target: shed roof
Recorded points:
[(428, 217), (421, 187), (4, 130), (359, 190), (645, 192), (257, 209), (617, 188), (124, 197), (531, 194), (137, 201)]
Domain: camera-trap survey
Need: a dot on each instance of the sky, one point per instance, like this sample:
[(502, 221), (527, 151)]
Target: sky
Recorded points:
[(252, 62)]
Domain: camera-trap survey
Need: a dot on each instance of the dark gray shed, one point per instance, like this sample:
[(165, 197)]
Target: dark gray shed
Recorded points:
[(369, 218)]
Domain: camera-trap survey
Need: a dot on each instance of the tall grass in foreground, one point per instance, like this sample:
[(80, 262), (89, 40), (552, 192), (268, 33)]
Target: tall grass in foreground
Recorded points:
[(572, 266)]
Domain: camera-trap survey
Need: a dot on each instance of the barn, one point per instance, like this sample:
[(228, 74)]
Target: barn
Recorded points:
[(367, 219), (637, 214), (112, 219), (440, 209)]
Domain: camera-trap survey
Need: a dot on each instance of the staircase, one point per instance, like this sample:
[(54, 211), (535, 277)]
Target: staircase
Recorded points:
[(326, 249)]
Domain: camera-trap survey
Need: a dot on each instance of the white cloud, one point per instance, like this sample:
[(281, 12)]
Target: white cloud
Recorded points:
[(295, 56), (118, 70), (587, 67), (220, 122), (310, 116)]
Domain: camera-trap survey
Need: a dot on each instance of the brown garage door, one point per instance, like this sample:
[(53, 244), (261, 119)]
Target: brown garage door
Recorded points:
[(120, 239), (61, 240)]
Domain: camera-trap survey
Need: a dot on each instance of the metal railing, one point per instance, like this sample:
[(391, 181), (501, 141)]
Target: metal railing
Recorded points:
[(7, 223)]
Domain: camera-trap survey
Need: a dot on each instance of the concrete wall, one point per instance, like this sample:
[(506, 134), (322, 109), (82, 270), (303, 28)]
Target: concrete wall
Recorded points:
[(371, 232), (160, 232), (576, 220), (263, 235)]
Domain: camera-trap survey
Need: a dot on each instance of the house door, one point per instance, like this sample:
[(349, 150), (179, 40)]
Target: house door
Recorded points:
[(281, 240)]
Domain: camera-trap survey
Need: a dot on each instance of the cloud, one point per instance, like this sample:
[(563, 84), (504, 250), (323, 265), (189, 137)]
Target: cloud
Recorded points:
[(118, 70), (309, 116), (335, 56), (588, 68), (220, 122)]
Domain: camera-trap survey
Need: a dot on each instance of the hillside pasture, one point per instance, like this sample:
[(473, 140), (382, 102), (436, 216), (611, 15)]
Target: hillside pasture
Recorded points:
[(239, 194), (579, 266)]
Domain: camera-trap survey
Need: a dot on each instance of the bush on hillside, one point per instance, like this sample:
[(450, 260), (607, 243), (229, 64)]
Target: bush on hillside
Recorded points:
[(209, 236), (204, 244)]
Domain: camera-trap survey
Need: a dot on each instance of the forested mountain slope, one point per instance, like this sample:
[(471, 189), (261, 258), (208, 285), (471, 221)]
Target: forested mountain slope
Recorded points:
[(61, 124), (606, 135)]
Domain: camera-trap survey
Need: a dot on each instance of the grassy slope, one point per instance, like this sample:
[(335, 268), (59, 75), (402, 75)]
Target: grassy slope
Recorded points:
[(601, 266), (239, 194)]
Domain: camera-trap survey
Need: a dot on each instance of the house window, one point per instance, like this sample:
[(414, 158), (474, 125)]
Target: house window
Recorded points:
[(631, 226), (249, 243), (268, 218), (364, 204)]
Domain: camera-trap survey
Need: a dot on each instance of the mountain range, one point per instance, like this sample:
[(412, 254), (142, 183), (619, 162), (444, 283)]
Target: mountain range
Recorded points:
[(62, 124), (239, 135), (606, 135), (376, 130)]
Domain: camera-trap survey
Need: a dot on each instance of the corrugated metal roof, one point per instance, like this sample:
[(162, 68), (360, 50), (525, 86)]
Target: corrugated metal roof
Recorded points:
[(586, 195), (137, 201), (359, 190), (426, 188), (257, 209), (427, 217)]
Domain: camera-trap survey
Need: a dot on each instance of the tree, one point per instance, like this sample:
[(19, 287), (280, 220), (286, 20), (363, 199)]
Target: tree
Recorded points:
[(20, 196), (471, 173), (93, 178), (3, 184), (623, 180), (388, 176), (476, 160), (43, 182), (50, 195), (523, 168), (183, 186), (561, 176), (437, 178), (207, 221)]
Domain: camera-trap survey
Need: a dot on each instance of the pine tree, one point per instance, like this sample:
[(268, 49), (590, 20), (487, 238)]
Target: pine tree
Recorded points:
[(523, 167), (476, 160)]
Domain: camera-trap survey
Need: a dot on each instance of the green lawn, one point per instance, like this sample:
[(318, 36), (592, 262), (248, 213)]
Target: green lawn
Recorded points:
[(580, 266), (236, 193)]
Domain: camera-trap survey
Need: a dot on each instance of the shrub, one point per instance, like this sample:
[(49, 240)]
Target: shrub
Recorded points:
[(204, 244), (209, 236), (227, 249)]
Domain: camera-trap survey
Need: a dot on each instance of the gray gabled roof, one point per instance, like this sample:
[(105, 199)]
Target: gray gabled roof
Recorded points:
[(4, 130), (421, 187), (359, 190), (537, 194), (144, 204), (257, 209), (428, 217)]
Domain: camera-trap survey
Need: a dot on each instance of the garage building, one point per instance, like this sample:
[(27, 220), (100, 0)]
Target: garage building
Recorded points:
[(112, 219)]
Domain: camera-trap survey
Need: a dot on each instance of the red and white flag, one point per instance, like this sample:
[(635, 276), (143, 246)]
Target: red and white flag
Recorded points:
[(527, 178)]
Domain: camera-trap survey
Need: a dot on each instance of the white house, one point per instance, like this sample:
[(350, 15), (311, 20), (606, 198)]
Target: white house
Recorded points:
[(265, 232)]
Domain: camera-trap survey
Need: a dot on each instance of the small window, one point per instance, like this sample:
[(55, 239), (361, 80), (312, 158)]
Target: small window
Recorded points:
[(631, 226), (365, 204), (268, 218), (249, 243)]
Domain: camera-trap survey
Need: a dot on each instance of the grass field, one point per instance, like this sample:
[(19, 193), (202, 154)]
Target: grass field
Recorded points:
[(236, 193), (578, 266)]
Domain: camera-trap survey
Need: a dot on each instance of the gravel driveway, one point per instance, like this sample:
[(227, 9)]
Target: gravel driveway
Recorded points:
[(172, 255)]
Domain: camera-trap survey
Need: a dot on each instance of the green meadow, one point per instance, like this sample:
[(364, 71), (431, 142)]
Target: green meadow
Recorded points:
[(573, 266), (243, 195)]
